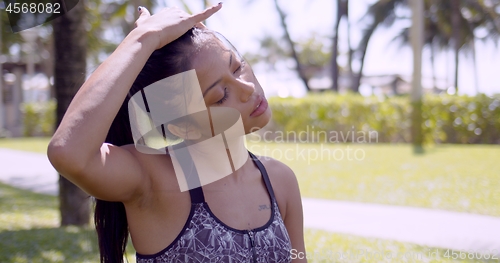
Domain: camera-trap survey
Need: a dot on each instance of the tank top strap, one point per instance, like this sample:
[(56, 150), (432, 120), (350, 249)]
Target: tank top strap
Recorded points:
[(197, 195), (191, 175), (263, 171)]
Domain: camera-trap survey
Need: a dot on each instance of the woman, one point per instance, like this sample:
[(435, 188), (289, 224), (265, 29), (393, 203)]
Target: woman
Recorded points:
[(254, 214)]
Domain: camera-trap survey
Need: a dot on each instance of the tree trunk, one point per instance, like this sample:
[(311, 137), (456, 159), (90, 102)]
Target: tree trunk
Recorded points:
[(69, 74), (74, 204), (295, 56), (362, 48), (350, 73), (335, 49), (433, 65), (417, 41), (474, 64), (1, 81), (455, 29)]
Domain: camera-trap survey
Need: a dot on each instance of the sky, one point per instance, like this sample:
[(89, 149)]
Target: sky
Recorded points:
[(243, 22)]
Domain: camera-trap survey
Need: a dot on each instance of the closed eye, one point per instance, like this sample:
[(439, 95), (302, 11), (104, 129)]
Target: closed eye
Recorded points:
[(242, 64), (224, 98), (226, 92)]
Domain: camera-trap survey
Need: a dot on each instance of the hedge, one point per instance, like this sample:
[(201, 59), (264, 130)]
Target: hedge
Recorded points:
[(38, 118), (446, 118), (337, 117)]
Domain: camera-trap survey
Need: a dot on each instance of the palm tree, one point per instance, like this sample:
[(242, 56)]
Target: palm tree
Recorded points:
[(456, 23), (342, 12), (380, 13), (417, 41), (350, 51), (448, 24), (435, 36), (472, 15), (293, 50), (335, 49), (8, 38), (73, 44), (102, 15), (70, 46)]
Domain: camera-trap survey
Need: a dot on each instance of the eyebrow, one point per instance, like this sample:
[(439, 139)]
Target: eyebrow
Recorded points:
[(217, 81)]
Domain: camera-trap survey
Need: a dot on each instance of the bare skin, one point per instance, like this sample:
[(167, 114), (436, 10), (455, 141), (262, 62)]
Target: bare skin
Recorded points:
[(156, 208)]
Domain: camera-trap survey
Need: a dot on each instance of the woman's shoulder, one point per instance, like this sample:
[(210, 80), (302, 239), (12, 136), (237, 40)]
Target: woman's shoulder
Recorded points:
[(277, 169), (283, 181)]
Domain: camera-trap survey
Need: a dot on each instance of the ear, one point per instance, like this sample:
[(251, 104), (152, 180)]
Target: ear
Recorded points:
[(184, 131)]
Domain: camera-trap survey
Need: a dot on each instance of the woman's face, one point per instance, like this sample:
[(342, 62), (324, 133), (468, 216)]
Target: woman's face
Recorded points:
[(227, 80)]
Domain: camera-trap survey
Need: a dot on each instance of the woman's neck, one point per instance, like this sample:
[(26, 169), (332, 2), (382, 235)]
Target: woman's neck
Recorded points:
[(212, 159)]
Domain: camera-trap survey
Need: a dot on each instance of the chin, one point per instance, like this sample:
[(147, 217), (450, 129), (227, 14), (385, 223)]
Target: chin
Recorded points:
[(259, 122)]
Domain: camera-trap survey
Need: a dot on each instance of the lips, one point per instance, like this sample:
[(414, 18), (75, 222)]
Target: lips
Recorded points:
[(260, 106)]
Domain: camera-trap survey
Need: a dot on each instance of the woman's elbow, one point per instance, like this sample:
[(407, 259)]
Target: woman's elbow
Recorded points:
[(64, 160)]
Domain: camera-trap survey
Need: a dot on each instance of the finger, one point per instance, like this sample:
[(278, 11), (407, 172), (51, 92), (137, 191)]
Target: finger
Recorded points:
[(143, 14), (143, 11), (206, 13)]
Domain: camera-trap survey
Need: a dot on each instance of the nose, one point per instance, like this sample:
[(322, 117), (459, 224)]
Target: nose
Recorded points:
[(246, 89)]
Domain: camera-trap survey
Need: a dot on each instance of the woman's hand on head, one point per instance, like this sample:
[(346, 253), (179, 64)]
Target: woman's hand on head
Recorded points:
[(171, 22)]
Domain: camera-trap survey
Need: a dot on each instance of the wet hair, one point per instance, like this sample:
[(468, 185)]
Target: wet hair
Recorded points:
[(110, 218)]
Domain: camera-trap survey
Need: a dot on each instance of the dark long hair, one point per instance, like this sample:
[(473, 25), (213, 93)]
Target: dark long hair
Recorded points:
[(110, 218)]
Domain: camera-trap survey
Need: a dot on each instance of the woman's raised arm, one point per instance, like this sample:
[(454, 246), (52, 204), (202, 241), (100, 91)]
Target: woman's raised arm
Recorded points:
[(77, 149)]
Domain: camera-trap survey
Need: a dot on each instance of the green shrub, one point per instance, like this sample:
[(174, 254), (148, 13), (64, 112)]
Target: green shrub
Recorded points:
[(446, 118), (38, 118)]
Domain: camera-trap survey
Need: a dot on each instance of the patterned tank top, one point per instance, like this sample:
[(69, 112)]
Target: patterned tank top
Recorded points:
[(205, 238)]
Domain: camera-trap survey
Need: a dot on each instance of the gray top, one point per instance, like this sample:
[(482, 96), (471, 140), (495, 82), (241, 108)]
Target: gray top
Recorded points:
[(205, 238)]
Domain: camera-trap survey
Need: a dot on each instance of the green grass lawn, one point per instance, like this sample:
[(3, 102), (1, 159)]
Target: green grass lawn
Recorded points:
[(453, 177), (327, 247), (29, 233), (463, 178)]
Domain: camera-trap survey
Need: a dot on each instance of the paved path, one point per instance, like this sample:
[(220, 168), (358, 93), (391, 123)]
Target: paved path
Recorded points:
[(27, 170), (429, 227)]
